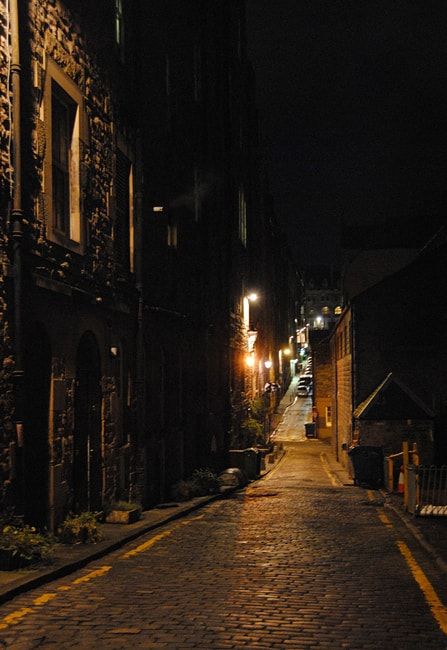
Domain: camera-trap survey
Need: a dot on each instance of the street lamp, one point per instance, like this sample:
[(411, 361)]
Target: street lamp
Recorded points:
[(250, 360)]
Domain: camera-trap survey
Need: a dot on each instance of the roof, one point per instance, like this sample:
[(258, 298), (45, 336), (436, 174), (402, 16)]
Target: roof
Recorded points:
[(392, 400)]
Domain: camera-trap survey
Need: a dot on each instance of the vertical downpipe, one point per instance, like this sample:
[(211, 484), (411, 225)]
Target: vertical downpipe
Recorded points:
[(17, 231)]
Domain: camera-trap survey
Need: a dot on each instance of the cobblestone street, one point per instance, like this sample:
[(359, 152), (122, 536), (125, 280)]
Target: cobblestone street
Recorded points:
[(297, 560)]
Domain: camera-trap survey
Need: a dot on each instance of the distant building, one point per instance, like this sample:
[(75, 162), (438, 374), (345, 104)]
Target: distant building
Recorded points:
[(395, 326), (321, 297)]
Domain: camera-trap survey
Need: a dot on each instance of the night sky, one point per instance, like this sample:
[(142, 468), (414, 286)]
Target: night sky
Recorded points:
[(353, 103)]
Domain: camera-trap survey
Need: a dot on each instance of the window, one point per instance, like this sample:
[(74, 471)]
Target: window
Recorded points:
[(172, 235), (197, 196), (328, 415), (197, 72), (242, 218), (64, 159), (65, 132), (123, 231), (119, 27)]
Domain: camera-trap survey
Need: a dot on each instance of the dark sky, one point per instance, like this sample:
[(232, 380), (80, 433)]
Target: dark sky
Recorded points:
[(353, 103)]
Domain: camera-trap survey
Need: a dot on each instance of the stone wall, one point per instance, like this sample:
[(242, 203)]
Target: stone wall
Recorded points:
[(50, 33)]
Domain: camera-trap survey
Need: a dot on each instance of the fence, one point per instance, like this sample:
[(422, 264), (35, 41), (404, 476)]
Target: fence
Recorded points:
[(427, 490)]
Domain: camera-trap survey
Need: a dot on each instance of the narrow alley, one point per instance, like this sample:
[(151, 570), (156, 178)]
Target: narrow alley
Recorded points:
[(299, 559)]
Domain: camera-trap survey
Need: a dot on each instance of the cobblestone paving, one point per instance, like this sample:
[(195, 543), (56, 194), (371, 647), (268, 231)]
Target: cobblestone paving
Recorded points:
[(292, 562)]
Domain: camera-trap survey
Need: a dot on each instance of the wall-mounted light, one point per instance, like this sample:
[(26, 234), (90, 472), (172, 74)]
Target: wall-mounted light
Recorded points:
[(157, 208), (268, 364), (250, 360), (287, 352), (253, 296), (114, 351)]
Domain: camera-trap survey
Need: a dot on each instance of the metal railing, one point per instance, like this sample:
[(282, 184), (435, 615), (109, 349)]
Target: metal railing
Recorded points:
[(431, 490)]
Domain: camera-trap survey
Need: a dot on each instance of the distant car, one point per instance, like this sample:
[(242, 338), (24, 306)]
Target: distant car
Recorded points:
[(304, 391)]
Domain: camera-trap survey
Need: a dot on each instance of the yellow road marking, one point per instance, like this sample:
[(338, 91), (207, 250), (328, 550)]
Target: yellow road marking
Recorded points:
[(438, 609), (44, 599), (144, 547), (148, 544), (93, 574), (15, 617), (335, 482), (384, 519)]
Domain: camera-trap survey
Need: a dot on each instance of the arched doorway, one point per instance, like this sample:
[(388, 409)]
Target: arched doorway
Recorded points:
[(87, 462), (37, 368)]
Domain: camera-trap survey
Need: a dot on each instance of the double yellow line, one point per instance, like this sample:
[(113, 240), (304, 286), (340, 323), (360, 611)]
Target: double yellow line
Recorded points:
[(18, 615), (432, 599)]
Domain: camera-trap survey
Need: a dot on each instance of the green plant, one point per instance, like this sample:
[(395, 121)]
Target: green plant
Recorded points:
[(202, 482), (25, 544), (182, 491), (251, 433), (82, 528), (206, 481)]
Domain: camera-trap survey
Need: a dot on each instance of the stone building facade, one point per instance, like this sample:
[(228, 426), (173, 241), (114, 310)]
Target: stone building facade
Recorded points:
[(68, 440), (127, 249)]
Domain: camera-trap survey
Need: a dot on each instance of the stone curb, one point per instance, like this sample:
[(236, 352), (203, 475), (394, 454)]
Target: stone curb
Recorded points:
[(442, 565), (23, 584)]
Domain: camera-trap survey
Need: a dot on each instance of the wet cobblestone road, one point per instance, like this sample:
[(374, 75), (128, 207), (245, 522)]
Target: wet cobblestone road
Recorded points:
[(298, 560)]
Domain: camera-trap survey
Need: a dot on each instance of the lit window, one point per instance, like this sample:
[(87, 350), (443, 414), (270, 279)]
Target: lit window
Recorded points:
[(328, 416), (172, 239), (242, 218), (123, 228), (119, 26), (325, 311), (337, 311)]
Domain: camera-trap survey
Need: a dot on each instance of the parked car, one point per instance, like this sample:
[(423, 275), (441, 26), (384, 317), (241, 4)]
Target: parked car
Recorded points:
[(303, 390), (305, 379)]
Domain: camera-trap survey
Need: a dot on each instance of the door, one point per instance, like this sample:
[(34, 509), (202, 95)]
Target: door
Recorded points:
[(87, 462), (37, 367)]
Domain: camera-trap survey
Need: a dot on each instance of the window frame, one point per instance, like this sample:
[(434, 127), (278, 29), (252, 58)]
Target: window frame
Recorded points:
[(125, 150), (58, 83)]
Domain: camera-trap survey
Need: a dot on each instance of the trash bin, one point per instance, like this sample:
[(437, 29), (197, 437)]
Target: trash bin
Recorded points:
[(368, 465), (248, 460), (310, 430)]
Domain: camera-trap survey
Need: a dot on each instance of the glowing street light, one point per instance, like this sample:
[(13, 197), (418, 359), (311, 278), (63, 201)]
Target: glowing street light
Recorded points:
[(250, 360)]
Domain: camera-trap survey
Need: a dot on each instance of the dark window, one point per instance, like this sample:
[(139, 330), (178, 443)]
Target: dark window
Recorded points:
[(63, 117), (122, 216)]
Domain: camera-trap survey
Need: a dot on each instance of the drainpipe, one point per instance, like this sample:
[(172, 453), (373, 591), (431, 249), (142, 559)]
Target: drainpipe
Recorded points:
[(17, 223), (141, 441)]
